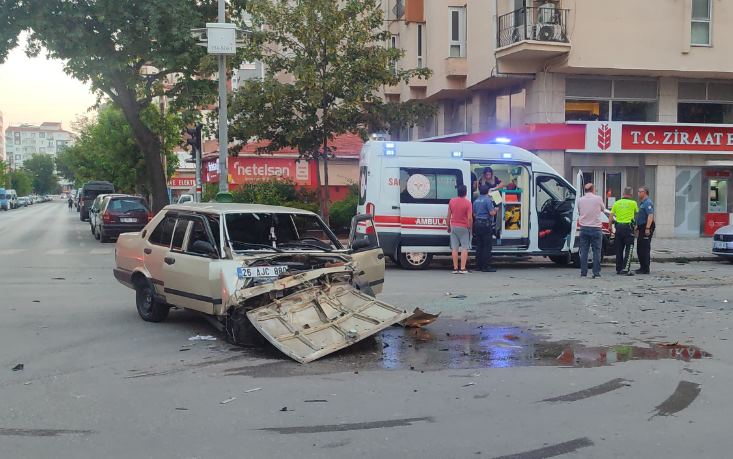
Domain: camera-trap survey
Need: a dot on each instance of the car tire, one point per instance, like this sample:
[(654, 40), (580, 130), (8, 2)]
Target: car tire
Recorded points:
[(149, 309), (415, 260), (103, 237), (96, 233)]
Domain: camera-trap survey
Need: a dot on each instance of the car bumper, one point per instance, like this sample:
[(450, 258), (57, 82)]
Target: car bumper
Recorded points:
[(111, 230)]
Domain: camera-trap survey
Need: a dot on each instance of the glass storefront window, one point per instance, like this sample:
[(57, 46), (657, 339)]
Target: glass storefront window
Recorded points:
[(705, 113), (718, 196), (586, 110), (633, 111)]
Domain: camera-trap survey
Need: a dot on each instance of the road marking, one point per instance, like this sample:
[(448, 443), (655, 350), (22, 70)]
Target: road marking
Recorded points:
[(57, 252), (11, 251), (100, 251)]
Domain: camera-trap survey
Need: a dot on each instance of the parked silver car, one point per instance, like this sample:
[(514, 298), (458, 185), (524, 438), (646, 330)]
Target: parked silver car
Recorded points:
[(723, 242)]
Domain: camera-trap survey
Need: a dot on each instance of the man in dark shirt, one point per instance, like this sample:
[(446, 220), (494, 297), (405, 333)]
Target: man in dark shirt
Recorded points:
[(483, 228), (645, 229)]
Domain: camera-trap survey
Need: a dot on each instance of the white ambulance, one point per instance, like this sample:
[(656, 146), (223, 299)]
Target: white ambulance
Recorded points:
[(407, 186)]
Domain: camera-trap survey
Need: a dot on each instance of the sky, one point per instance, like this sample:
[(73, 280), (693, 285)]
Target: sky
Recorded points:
[(34, 90)]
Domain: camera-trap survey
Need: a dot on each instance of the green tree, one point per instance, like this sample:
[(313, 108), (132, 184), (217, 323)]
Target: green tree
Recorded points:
[(4, 176), (130, 51), (41, 169), (326, 62), (106, 150), (21, 182)]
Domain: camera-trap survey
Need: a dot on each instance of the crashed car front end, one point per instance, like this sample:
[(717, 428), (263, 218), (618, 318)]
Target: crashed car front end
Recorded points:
[(315, 308)]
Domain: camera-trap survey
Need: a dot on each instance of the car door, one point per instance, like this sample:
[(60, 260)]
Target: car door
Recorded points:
[(366, 253), (578, 193), (188, 269), (156, 249)]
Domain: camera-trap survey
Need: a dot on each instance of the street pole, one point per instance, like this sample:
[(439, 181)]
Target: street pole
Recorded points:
[(223, 131), (197, 152)]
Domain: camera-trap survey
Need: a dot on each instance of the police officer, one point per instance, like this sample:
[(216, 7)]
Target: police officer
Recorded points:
[(483, 229), (645, 229), (622, 213)]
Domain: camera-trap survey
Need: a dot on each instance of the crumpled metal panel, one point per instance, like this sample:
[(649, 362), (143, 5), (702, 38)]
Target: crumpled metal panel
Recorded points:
[(320, 320)]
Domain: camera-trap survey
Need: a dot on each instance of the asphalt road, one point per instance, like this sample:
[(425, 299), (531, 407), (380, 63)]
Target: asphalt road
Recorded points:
[(529, 362)]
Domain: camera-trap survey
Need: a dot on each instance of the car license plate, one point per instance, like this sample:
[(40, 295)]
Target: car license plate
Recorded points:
[(720, 245), (260, 271), (128, 220)]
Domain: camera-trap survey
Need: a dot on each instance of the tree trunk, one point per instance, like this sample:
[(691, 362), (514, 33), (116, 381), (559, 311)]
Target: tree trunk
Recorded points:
[(149, 145), (327, 198), (319, 188)]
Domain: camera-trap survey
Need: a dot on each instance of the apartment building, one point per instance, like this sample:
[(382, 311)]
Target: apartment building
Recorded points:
[(26, 140), (629, 92)]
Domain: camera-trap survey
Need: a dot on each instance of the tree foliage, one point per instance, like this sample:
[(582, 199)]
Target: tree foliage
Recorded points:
[(326, 62), (276, 192), (4, 177), (130, 51), (21, 181), (41, 169), (106, 149)]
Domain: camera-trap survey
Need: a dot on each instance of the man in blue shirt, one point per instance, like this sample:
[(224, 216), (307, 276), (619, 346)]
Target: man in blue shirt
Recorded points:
[(483, 228), (645, 229)]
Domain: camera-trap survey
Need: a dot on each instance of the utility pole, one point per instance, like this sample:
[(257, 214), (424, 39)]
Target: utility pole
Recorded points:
[(223, 127)]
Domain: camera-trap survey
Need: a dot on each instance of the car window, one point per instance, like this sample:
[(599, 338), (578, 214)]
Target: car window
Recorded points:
[(126, 205), (162, 233), (214, 225), (179, 234), (199, 232), (258, 231), (428, 186), (551, 188), (310, 229)]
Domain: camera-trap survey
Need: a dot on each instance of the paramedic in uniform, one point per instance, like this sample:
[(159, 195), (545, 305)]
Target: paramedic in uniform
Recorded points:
[(483, 229), (645, 228), (622, 213), (460, 220)]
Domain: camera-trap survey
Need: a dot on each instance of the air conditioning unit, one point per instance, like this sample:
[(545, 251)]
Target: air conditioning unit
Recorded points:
[(548, 32)]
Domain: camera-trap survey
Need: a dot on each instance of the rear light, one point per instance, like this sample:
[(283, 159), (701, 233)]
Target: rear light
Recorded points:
[(150, 216), (370, 208), (106, 217)]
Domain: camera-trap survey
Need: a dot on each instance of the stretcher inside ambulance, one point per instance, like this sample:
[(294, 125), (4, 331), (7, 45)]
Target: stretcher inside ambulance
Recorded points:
[(407, 186)]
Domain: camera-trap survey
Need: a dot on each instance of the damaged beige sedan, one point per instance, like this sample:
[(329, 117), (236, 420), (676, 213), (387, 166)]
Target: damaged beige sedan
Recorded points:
[(253, 268)]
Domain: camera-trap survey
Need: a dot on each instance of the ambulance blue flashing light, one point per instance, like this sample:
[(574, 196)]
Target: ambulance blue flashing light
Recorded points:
[(456, 154), (390, 149), (503, 140)]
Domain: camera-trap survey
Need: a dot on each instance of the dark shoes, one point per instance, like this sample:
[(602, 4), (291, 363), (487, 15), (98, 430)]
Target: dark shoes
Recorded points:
[(641, 271), (595, 276)]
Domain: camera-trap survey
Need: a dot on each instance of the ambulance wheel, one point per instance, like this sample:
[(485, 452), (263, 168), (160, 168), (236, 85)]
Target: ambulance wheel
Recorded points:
[(562, 260), (415, 260)]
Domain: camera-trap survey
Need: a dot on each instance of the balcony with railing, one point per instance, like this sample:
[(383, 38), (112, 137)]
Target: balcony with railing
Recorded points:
[(532, 33)]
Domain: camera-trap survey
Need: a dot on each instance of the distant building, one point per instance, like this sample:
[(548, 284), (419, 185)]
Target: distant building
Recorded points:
[(2, 138), (26, 140)]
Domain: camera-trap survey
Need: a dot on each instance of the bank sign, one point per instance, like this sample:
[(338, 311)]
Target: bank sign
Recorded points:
[(620, 137)]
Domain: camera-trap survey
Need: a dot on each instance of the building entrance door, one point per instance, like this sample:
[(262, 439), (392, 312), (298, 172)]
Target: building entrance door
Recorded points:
[(609, 182), (687, 202)]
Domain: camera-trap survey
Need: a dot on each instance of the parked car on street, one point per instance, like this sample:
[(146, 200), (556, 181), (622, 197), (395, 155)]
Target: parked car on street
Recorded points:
[(89, 192), (94, 211), (723, 242), (275, 270), (23, 201), (117, 214), (184, 198)]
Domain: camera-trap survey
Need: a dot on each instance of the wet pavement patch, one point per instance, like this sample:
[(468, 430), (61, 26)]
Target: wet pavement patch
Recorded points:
[(609, 386), (682, 397), (349, 426), (454, 344), (552, 450)]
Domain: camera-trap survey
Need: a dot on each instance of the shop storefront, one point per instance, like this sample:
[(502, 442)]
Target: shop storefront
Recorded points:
[(687, 167)]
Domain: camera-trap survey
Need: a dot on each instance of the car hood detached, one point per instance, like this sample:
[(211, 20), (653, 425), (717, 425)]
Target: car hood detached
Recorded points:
[(321, 319)]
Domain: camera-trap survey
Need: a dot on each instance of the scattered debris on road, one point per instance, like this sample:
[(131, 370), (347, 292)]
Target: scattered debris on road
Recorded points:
[(202, 338), (18, 367), (419, 318)]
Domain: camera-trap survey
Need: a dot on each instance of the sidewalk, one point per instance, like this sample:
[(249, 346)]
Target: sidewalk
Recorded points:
[(692, 249)]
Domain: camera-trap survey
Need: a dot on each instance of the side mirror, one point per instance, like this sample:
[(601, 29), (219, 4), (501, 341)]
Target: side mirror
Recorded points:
[(204, 248)]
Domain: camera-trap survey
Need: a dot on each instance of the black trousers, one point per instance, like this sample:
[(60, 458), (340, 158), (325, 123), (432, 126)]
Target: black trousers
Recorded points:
[(624, 239), (644, 249), (484, 243)]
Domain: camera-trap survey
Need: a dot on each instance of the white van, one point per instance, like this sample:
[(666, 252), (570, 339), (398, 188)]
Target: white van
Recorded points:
[(407, 186)]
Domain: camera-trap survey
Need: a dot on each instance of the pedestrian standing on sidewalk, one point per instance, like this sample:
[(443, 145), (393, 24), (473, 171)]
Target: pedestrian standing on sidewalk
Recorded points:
[(622, 213), (645, 229), (483, 229), (460, 220), (590, 208)]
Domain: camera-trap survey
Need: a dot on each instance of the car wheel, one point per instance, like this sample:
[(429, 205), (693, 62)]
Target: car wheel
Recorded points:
[(103, 237), (149, 309), (96, 233), (415, 260)]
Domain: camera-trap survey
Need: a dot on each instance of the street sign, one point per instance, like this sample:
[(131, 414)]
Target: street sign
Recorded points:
[(221, 38)]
